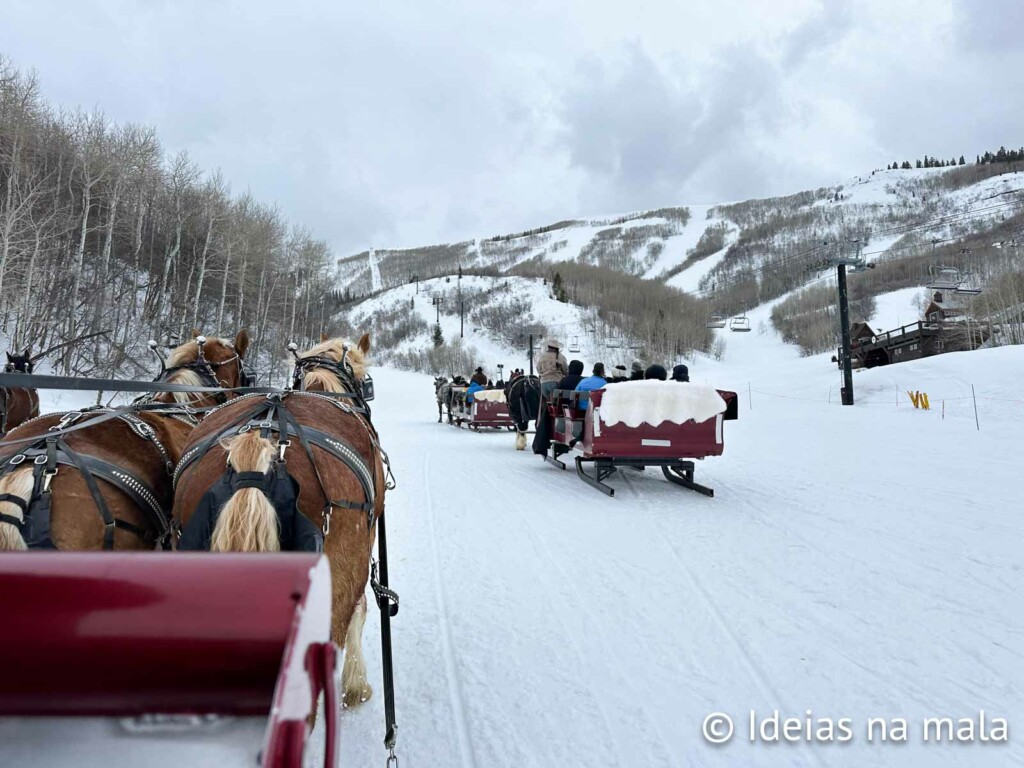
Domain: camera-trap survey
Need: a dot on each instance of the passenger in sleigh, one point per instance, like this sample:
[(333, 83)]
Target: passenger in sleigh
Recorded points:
[(475, 386), (655, 372), (573, 377), (589, 384), (619, 374)]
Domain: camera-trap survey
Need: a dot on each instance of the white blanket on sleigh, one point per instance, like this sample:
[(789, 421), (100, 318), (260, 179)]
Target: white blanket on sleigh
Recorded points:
[(490, 395), (652, 402)]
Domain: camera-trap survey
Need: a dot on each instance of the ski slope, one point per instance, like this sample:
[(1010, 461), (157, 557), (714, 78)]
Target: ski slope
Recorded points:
[(855, 562)]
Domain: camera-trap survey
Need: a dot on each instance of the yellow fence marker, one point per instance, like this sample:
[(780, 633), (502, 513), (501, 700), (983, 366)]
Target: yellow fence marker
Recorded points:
[(920, 400)]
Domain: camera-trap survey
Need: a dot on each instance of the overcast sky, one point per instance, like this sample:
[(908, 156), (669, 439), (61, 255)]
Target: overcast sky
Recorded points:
[(409, 122)]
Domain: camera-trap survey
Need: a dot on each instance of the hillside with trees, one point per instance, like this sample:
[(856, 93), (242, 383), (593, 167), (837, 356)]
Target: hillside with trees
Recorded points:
[(105, 235)]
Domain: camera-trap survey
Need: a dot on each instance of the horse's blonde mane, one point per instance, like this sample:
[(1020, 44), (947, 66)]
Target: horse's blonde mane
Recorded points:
[(335, 350), (189, 352), (188, 378)]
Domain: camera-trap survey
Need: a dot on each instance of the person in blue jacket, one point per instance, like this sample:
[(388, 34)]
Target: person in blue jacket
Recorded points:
[(476, 386), (596, 381)]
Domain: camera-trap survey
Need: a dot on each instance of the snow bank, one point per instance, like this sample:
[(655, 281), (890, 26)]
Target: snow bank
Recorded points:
[(637, 402)]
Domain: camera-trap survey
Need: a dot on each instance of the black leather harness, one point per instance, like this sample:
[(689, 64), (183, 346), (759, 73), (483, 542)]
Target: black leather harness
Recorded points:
[(271, 414), (49, 451), (296, 532)]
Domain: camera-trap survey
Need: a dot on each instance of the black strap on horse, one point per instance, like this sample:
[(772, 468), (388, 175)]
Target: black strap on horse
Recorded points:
[(271, 414), (102, 415), (5, 400), (387, 602), (50, 450), (361, 391)]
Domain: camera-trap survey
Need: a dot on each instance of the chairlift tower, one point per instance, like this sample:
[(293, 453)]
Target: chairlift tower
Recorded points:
[(857, 264)]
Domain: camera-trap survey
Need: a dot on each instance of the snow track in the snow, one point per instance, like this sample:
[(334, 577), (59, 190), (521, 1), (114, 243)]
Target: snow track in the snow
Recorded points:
[(856, 562), (450, 666)]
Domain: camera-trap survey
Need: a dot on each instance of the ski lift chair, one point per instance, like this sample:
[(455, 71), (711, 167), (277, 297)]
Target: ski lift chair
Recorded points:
[(944, 278), (614, 342), (716, 320), (740, 324), (969, 285), (574, 347)]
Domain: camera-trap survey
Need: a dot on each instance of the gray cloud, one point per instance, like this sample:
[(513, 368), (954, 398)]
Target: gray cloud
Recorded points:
[(405, 123)]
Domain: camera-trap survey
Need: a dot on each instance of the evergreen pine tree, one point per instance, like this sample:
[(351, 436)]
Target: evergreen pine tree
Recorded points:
[(438, 337), (962, 161), (919, 163)]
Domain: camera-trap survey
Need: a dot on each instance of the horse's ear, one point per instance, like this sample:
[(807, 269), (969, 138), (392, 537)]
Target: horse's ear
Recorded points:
[(323, 337), (242, 342), (196, 333), (28, 350), (364, 343), (9, 358)]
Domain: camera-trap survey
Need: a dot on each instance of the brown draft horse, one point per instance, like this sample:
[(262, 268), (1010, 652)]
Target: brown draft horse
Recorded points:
[(343, 497), (18, 404), (130, 461)]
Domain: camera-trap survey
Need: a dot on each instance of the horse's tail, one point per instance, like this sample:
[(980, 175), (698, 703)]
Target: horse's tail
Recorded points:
[(17, 483), (248, 521)]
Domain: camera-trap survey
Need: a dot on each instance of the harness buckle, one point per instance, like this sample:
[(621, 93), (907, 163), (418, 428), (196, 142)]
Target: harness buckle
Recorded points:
[(17, 459), (40, 459), (326, 514), (47, 478), (281, 445)]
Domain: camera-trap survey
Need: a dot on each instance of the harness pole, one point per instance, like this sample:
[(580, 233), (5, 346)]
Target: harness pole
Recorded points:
[(531, 354)]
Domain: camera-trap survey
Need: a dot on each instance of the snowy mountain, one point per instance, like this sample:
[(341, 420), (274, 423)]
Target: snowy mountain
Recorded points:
[(727, 258)]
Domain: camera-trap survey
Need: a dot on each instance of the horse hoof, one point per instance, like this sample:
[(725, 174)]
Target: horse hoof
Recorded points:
[(357, 696)]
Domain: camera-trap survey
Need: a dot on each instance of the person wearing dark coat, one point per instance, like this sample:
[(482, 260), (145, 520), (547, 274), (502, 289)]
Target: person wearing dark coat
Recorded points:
[(636, 372), (656, 371), (479, 377), (573, 377), (680, 373)]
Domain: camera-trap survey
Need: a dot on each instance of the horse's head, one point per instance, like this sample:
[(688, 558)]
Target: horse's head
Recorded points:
[(206, 362), (333, 365), (20, 363)]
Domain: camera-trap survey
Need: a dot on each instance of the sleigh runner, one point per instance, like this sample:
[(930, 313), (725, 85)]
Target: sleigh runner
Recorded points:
[(639, 424)]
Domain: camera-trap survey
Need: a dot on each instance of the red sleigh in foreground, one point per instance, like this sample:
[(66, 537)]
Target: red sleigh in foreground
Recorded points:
[(670, 445), (178, 660)]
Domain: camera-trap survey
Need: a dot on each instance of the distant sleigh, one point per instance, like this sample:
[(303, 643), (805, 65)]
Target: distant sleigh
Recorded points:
[(639, 424)]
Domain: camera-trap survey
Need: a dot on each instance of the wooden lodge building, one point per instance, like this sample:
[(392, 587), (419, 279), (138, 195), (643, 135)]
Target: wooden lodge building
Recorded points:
[(946, 327)]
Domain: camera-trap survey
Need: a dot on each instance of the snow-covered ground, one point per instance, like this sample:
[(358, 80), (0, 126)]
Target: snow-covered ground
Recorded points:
[(855, 562)]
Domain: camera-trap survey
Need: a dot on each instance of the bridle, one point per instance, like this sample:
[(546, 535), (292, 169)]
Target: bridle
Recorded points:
[(361, 391), (19, 364), (207, 370)]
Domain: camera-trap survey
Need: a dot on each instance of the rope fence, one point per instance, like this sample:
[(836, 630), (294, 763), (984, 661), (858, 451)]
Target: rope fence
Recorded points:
[(902, 400)]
